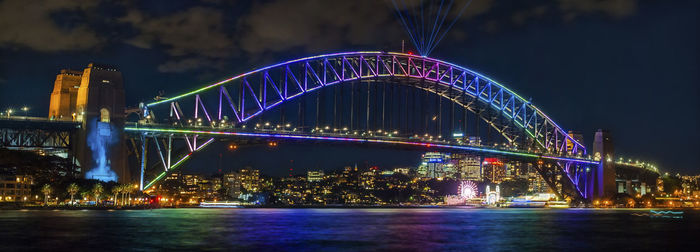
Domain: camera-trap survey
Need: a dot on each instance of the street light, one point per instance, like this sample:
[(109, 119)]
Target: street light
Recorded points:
[(25, 109), (9, 112)]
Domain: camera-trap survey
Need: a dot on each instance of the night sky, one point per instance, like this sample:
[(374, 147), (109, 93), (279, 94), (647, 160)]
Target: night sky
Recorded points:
[(624, 65)]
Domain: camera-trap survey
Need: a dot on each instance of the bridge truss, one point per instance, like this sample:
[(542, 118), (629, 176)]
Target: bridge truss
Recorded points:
[(382, 99)]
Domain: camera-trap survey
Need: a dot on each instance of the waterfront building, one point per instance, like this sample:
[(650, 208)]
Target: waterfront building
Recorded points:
[(404, 171), (250, 179), (536, 184), (469, 167), (349, 177), (367, 179), (231, 185), (433, 165), (174, 176), (191, 179), (494, 170), (315, 176), (15, 187)]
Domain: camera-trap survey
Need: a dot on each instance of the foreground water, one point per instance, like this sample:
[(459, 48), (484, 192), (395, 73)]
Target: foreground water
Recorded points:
[(347, 229)]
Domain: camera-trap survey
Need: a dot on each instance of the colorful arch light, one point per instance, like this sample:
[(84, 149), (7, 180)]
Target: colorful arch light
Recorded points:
[(257, 90)]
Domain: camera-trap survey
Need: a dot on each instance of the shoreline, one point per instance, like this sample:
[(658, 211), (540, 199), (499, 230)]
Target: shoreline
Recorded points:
[(309, 207)]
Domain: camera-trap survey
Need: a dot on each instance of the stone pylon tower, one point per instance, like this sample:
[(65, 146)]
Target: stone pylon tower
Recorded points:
[(604, 175), (65, 95), (101, 148)]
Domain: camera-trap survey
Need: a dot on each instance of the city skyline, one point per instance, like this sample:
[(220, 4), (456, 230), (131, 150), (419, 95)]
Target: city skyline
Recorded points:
[(361, 125)]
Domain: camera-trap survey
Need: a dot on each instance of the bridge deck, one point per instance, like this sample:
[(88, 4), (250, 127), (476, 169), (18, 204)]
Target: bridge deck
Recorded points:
[(159, 129)]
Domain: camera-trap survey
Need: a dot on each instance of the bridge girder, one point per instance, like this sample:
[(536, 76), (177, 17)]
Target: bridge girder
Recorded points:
[(248, 95)]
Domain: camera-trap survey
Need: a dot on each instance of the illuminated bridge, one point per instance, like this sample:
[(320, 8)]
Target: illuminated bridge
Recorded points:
[(392, 100)]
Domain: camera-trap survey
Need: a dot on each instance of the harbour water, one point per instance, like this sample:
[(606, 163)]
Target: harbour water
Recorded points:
[(424, 229)]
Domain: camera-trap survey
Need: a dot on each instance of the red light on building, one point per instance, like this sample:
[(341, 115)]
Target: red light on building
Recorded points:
[(492, 161)]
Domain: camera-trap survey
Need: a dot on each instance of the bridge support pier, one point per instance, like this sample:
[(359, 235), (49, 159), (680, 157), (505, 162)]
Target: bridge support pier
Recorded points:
[(144, 159)]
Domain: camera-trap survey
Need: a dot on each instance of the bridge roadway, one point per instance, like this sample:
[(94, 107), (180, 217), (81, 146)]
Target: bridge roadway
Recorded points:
[(165, 129), (30, 133)]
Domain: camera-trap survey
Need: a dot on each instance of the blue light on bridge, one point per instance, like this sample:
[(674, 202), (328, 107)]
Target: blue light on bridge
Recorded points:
[(100, 138)]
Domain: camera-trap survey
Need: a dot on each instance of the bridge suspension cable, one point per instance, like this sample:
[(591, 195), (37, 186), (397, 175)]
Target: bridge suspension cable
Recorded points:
[(424, 21)]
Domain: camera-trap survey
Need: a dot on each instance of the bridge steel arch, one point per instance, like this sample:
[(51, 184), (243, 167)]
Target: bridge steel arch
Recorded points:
[(248, 95), (265, 88)]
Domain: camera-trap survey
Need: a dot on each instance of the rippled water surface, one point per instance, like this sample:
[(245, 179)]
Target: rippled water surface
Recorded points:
[(346, 229)]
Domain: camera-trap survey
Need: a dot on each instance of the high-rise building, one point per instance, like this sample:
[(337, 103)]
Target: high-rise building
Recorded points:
[(250, 179), (315, 176), (494, 170), (65, 95), (231, 184), (433, 165), (468, 166)]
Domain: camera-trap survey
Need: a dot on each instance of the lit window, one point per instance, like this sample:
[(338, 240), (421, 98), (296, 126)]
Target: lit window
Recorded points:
[(104, 115)]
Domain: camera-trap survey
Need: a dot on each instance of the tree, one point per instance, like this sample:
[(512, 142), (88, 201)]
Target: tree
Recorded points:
[(85, 195), (97, 190), (514, 187), (115, 191), (72, 190), (46, 190), (129, 189)]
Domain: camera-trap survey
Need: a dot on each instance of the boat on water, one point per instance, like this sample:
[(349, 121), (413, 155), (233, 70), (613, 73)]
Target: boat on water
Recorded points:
[(557, 204), (221, 204), (525, 203)]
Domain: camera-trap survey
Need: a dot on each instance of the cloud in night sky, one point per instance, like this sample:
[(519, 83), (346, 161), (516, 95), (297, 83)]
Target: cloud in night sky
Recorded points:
[(193, 38), (29, 24), (317, 25), (614, 8), (199, 36)]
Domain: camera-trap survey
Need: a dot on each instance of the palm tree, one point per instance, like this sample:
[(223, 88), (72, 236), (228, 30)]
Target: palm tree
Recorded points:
[(129, 189), (97, 190), (72, 190), (46, 190), (115, 192), (85, 195)]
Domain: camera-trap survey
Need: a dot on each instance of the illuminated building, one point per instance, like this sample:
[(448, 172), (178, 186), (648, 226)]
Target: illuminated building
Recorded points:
[(494, 170), (404, 171), (176, 175), (15, 187), (191, 179), (350, 177), (570, 144), (468, 166), (474, 140), (231, 184), (367, 179), (433, 165), (492, 197), (537, 184), (250, 179), (314, 176), (65, 94)]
